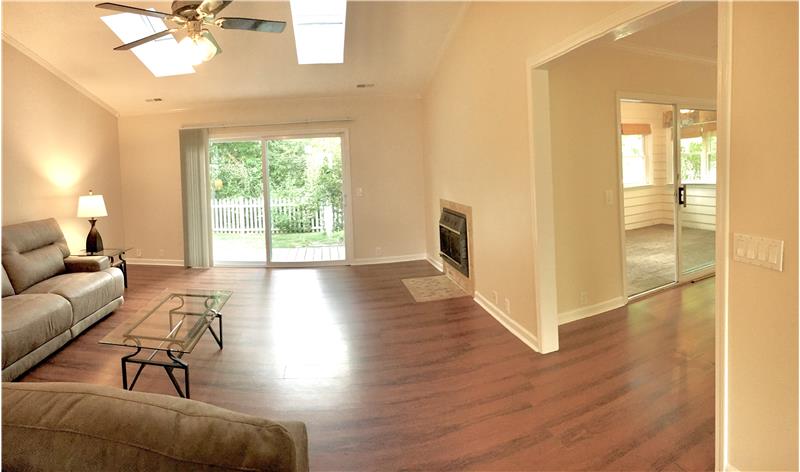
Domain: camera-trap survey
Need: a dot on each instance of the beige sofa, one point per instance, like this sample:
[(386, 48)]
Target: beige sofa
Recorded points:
[(71, 426), (49, 297)]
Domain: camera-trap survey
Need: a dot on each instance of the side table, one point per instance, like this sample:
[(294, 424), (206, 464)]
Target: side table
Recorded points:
[(112, 254)]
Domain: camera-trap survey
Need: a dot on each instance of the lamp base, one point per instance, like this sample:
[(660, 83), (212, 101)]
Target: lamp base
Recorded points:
[(94, 243)]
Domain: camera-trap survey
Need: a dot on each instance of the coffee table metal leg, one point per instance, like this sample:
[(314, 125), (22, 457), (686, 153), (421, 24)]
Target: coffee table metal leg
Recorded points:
[(136, 377), (175, 363), (124, 361), (178, 363), (218, 339)]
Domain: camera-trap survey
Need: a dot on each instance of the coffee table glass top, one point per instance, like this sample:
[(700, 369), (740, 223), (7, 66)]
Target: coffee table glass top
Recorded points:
[(172, 321)]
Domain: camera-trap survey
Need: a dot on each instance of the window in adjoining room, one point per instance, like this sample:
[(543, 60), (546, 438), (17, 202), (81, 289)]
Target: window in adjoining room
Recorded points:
[(634, 160), (699, 158)]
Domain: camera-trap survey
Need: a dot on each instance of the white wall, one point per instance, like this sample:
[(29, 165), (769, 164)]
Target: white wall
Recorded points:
[(385, 158), (57, 144)]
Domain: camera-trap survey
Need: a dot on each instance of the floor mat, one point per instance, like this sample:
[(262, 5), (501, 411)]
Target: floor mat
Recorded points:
[(428, 289)]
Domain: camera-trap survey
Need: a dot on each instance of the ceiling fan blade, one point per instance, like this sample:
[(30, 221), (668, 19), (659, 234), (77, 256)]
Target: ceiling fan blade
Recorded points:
[(146, 39), (251, 24), (212, 7), (134, 10)]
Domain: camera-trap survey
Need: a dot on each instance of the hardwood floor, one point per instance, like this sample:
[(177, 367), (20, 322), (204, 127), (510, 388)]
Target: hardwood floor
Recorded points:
[(384, 383)]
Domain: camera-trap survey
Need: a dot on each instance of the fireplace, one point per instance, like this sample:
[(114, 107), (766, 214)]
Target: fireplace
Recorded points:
[(453, 244)]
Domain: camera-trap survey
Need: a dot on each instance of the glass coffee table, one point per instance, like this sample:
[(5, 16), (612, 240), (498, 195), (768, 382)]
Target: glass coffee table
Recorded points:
[(167, 328)]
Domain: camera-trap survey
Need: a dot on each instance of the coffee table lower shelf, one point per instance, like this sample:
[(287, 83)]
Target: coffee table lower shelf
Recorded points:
[(175, 362)]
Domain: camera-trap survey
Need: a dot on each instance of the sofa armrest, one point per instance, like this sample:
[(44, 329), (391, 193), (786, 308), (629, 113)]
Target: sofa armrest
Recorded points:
[(87, 263)]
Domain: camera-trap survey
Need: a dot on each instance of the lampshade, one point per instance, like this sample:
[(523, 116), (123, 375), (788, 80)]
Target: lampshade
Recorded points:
[(91, 206)]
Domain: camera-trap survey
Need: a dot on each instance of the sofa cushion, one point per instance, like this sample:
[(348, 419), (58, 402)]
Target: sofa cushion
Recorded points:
[(87, 292), (33, 252), (7, 288), (29, 321), (93, 427)]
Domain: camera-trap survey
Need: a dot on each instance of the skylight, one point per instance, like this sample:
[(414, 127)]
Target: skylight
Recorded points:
[(161, 56), (319, 30)]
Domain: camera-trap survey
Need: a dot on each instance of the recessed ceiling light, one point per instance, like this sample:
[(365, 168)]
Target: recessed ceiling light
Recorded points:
[(156, 99), (365, 85), (161, 56), (319, 30)]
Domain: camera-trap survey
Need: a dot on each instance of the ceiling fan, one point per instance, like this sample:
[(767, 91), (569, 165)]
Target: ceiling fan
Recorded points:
[(194, 16)]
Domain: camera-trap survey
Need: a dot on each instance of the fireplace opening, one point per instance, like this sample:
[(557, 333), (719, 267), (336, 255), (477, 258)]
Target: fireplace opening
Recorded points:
[(453, 240)]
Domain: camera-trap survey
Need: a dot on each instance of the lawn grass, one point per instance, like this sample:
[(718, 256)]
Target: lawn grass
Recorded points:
[(288, 240)]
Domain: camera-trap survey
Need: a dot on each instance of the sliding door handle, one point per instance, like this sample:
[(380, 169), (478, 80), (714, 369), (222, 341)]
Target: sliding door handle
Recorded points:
[(682, 195)]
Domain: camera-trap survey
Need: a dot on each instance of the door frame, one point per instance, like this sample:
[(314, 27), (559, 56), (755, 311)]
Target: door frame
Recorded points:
[(676, 102), (542, 196), (343, 134)]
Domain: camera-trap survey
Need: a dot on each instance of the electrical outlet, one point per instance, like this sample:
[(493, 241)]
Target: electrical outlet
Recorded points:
[(609, 197), (494, 297), (137, 252), (508, 306), (584, 298), (160, 253), (378, 250)]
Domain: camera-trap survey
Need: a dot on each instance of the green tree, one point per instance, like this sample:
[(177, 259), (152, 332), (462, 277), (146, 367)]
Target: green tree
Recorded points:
[(287, 167), (236, 169)]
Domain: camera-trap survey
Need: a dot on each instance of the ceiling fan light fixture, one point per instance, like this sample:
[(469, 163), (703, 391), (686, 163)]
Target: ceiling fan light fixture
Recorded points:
[(191, 51), (209, 46), (198, 48), (191, 16)]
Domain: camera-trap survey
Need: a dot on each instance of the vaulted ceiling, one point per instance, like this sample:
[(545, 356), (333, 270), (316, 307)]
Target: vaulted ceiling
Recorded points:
[(394, 45)]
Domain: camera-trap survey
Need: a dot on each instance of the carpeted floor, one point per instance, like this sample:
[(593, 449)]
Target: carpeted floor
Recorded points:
[(651, 256)]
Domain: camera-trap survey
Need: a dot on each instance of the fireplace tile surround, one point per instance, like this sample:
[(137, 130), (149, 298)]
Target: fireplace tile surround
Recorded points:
[(467, 283)]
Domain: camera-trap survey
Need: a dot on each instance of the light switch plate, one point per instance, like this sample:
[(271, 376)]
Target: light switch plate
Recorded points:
[(755, 250)]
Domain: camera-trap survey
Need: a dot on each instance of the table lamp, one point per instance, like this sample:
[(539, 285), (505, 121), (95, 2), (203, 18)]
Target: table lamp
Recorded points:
[(92, 207)]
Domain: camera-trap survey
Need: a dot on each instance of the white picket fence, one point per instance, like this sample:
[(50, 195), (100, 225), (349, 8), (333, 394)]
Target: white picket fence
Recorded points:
[(246, 215)]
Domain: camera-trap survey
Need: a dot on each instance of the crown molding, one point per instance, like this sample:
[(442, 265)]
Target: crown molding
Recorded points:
[(58, 73), (664, 53)]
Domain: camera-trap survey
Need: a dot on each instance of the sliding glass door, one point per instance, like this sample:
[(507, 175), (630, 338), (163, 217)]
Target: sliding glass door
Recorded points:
[(237, 203), (306, 199), (647, 148), (278, 201), (697, 193), (668, 172)]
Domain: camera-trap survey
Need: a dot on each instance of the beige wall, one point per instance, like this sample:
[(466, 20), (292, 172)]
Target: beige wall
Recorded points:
[(57, 144), (476, 137), (385, 158), (763, 309), (584, 150)]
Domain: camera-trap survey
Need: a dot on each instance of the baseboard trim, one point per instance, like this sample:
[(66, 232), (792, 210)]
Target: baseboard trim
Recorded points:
[(155, 262), (435, 263), (591, 310), (515, 328), (730, 468), (389, 259)]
